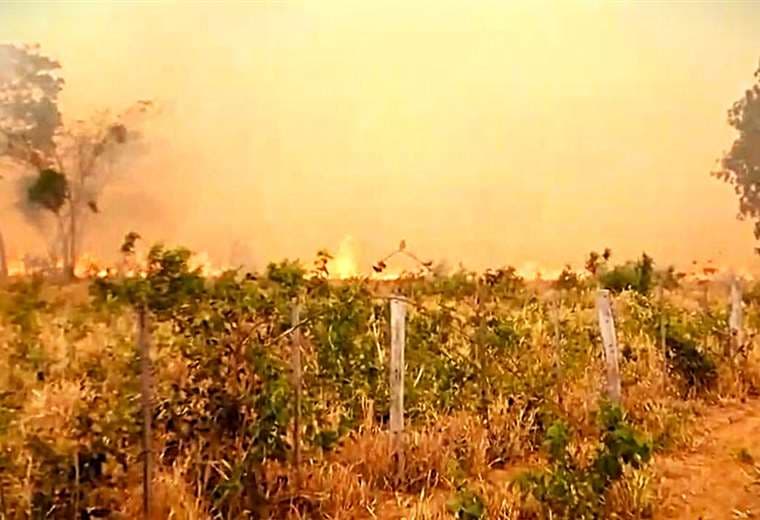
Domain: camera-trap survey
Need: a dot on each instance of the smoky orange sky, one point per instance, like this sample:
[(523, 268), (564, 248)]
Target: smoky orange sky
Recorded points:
[(489, 133)]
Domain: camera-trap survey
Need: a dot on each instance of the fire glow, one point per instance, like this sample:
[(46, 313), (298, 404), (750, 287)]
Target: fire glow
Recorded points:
[(344, 265)]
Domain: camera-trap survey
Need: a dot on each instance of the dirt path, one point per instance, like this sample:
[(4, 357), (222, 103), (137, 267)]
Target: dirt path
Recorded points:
[(720, 477)]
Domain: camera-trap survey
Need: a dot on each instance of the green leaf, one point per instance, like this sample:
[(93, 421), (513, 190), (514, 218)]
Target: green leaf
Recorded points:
[(50, 190)]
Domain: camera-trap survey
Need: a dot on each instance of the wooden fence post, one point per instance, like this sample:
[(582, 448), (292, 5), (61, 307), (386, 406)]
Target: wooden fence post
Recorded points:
[(297, 383), (607, 328), (557, 309), (735, 319), (76, 484), (663, 338), (556, 317), (3, 507), (3, 260), (398, 339), (143, 340)]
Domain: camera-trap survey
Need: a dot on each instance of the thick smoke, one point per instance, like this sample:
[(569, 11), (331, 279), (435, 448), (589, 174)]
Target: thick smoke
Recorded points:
[(491, 134)]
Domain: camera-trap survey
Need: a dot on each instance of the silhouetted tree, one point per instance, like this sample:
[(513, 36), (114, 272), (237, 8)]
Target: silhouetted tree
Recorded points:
[(29, 115), (68, 160), (740, 166)]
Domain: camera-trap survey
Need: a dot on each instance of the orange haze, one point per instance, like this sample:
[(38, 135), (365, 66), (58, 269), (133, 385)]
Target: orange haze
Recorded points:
[(484, 132)]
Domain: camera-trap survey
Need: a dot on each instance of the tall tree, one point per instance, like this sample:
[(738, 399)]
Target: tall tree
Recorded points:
[(71, 159), (29, 115), (740, 166)]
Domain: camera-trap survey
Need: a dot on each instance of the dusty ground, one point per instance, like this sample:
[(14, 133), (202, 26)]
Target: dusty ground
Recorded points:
[(719, 478)]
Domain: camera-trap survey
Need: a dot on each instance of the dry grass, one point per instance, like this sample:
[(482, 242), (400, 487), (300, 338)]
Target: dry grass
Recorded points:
[(741, 378), (49, 410), (435, 455), (173, 498), (361, 478), (632, 496)]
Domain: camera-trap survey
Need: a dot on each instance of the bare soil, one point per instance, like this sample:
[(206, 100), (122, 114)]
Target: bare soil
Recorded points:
[(719, 477)]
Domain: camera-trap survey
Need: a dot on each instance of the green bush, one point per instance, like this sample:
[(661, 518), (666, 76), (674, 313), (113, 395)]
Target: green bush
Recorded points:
[(694, 365), (568, 280), (631, 276), (466, 505), (574, 489)]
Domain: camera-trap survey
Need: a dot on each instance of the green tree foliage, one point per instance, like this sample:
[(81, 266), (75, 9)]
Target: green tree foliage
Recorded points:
[(29, 115), (130, 240), (740, 166), (668, 278), (168, 285), (634, 276), (49, 190), (595, 261), (504, 281), (690, 362), (568, 280)]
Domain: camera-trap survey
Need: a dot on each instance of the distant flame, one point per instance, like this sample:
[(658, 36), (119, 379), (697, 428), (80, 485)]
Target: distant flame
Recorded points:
[(203, 262), (532, 271), (16, 268), (345, 264), (88, 266), (386, 275)]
